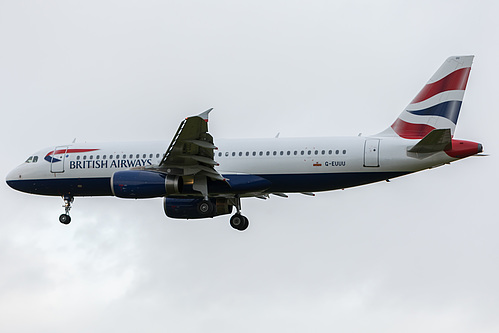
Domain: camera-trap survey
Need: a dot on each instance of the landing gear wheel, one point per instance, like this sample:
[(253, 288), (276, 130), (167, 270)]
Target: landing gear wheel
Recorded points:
[(205, 208), (65, 219), (239, 222)]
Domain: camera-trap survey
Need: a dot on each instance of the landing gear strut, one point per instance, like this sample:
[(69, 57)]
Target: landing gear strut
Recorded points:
[(238, 221), (65, 218)]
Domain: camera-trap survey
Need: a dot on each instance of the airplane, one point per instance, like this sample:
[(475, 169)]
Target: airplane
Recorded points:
[(198, 179)]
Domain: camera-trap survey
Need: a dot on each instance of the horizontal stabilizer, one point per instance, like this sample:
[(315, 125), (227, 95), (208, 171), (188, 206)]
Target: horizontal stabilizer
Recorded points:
[(435, 141)]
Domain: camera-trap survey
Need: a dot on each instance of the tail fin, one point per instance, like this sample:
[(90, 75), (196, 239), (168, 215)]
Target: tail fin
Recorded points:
[(438, 104)]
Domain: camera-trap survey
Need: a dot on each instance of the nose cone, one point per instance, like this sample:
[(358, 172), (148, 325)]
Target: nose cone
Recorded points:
[(12, 177)]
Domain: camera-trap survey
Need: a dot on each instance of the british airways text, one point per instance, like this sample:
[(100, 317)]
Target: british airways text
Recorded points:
[(102, 164)]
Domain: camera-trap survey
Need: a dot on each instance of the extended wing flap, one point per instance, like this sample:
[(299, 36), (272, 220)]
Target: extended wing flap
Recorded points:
[(192, 150), (435, 141)]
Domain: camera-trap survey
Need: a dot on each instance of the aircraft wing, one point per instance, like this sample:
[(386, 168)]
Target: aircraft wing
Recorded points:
[(191, 150)]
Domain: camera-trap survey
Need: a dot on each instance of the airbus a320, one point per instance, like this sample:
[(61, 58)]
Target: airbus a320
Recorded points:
[(199, 177)]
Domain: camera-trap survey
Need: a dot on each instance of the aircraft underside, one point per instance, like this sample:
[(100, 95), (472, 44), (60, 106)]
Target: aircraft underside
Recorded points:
[(294, 183)]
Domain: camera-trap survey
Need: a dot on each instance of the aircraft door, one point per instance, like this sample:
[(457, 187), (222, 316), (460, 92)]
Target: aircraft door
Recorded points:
[(371, 153), (58, 158)]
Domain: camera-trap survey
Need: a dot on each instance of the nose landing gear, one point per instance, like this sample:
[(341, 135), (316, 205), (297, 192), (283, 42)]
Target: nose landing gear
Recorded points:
[(65, 218)]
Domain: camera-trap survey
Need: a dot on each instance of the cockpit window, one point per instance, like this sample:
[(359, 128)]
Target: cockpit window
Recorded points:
[(32, 159)]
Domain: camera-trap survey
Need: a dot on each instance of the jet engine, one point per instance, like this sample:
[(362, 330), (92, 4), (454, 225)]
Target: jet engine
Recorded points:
[(141, 184), (188, 208)]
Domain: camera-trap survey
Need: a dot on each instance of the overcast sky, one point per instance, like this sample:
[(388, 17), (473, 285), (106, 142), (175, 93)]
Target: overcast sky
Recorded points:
[(419, 254)]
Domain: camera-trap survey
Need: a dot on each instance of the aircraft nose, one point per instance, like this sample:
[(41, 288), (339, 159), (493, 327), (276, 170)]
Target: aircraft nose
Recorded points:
[(11, 178)]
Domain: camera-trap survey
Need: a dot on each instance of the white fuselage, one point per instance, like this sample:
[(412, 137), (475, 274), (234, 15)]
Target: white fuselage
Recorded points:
[(291, 164)]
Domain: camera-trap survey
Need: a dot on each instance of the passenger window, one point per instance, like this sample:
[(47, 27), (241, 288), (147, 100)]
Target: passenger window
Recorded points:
[(131, 156), (137, 156), (97, 157), (274, 153), (78, 157), (117, 157), (303, 152), (247, 153), (296, 153), (227, 154), (344, 152), (330, 152), (84, 157), (309, 152), (157, 155), (323, 152), (281, 153), (261, 153), (91, 157), (337, 152), (316, 152), (233, 153), (104, 157), (240, 153), (219, 154), (254, 153), (150, 155), (268, 153)]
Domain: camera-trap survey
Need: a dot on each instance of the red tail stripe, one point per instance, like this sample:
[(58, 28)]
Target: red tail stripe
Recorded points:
[(411, 131), (456, 80)]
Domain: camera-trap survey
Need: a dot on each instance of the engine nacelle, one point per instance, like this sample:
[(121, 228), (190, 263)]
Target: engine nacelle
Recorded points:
[(187, 208), (141, 184)]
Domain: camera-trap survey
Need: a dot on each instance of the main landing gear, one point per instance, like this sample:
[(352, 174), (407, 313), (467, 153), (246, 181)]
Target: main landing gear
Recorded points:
[(65, 218), (238, 221)]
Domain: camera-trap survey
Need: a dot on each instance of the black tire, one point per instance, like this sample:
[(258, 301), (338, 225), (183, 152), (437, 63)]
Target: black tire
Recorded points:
[(205, 208), (65, 219), (239, 222)]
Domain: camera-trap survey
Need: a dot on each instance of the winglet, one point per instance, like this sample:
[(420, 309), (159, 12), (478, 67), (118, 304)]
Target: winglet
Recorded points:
[(204, 115)]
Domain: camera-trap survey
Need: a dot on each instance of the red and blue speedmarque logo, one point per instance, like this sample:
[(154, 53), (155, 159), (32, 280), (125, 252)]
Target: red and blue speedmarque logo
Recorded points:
[(51, 159)]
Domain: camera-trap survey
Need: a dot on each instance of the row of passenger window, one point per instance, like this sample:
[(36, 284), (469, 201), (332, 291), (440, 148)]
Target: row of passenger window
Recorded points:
[(117, 156), (282, 153)]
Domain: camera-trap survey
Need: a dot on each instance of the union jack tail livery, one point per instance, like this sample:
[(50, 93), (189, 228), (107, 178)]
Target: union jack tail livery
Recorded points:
[(437, 105)]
